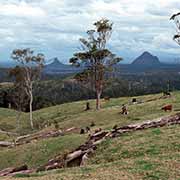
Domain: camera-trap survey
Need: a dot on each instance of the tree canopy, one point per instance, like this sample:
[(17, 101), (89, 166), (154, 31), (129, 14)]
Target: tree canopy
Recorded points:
[(95, 57)]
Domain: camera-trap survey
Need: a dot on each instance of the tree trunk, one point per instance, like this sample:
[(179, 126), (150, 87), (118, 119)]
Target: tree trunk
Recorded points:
[(30, 109), (98, 100)]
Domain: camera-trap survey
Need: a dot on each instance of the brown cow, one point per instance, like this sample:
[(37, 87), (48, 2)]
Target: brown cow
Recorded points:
[(107, 98), (167, 108)]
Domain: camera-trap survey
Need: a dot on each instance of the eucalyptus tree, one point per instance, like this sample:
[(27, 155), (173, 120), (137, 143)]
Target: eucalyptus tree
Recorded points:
[(95, 57), (30, 67)]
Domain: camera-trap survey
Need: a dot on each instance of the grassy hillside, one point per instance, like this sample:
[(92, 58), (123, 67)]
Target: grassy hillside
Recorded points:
[(73, 114), (148, 154)]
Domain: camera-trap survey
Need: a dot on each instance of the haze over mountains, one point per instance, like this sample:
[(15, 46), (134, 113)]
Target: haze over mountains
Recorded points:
[(145, 62)]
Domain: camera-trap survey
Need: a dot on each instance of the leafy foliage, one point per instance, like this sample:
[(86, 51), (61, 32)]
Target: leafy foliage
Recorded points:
[(96, 58), (26, 74)]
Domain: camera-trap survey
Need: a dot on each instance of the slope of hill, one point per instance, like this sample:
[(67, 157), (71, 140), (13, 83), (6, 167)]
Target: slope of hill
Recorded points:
[(146, 59), (147, 154)]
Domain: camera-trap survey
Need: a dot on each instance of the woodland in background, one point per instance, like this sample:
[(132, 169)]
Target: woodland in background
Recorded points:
[(53, 90)]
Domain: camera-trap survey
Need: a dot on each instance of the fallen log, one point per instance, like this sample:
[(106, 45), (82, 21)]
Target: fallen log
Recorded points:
[(23, 172), (31, 137), (6, 171), (73, 155), (159, 122), (43, 135), (12, 170), (22, 138), (98, 136), (56, 163), (79, 156), (20, 168), (8, 133), (6, 144), (72, 130), (74, 158)]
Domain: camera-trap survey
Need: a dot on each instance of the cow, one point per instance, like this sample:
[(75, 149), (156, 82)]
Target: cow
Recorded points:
[(134, 100), (166, 94), (107, 98), (124, 110), (167, 108)]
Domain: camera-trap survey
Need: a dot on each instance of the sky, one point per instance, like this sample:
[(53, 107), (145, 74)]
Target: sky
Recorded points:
[(53, 27)]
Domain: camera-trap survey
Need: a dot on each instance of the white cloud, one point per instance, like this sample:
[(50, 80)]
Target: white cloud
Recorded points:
[(54, 26), (21, 9)]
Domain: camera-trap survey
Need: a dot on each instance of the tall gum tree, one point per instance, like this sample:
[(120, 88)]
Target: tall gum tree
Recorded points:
[(30, 67), (94, 56)]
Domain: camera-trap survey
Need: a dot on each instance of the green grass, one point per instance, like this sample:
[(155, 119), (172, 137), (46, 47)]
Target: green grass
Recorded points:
[(39, 152), (73, 114), (140, 155), (148, 154)]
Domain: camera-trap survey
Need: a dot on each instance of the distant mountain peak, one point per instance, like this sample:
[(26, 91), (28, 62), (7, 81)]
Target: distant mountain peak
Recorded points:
[(55, 61), (57, 67), (145, 53), (146, 58)]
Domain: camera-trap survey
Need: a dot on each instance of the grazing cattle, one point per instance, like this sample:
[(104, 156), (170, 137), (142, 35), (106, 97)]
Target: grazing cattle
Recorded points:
[(167, 108), (107, 98), (166, 94), (124, 110), (134, 100)]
